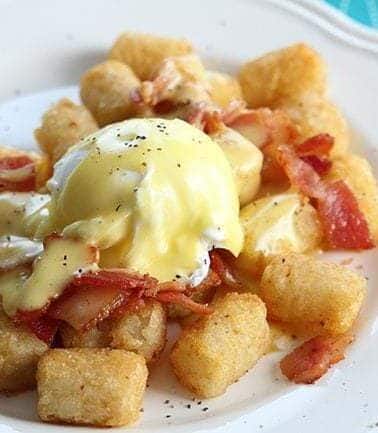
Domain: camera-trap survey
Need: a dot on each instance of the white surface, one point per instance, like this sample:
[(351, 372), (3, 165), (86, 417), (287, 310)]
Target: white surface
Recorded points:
[(46, 45)]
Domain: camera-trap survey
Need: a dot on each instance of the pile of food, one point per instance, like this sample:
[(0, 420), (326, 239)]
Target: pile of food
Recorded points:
[(175, 193)]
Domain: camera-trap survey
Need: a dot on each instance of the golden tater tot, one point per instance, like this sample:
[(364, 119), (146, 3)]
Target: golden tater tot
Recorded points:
[(63, 125), (288, 73), (313, 115), (245, 159), (188, 68), (274, 225), (218, 349), (100, 387), (105, 91), (312, 294), (143, 331), (223, 88), (356, 172), (20, 351), (144, 52), (95, 337)]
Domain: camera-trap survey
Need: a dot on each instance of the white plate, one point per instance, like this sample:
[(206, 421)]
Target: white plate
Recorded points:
[(47, 45)]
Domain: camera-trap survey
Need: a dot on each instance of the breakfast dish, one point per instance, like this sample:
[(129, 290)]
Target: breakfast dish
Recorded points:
[(174, 193)]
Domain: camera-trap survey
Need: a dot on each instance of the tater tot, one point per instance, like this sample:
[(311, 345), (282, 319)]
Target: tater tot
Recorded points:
[(144, 52), (287, 73), (189, 68), (20, 351), (274, 225), (357, 173), (105, 91), (100, 387), (218, 349), (313, 115), (95, 337), (142, 331), (223, 88), (245, 159), (312, 294), (63, 125)]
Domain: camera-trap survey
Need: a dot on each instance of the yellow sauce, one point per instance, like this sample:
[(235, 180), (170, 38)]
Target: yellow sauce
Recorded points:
[(155, 195)]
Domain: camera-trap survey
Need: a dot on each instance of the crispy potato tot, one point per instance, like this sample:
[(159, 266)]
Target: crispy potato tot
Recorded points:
[(100, 387), (179, 82), (357, 173), (20, 351), (312, 294), (223, 88), (94, 338), (288, 73), (144, 52), (245, 159), (275, 225), (218, 349), (313, 115), (189, 68), (105, 91), (63, 125), (142, 332)]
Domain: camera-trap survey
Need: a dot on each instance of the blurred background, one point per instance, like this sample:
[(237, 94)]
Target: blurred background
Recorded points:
[(363, 11)]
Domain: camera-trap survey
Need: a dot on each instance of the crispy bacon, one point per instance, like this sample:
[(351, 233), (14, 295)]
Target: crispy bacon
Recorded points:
[(220, 264), (300, 174), (94, 296), (343, 222), (315, 152), (322, 165), (319, 145), (310, 361), (84, 308), (17, 173), (42, 326), (120, 279), (180, 298)]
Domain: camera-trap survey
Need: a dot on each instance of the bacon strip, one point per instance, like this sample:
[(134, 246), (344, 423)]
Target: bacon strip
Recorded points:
[(94, 296), (220, 265), (87, 306), (343, 222), (315, 152), (320, 164), (183, 300), (17, 173), (41, 325), (120, 279), (310, 361), (319, 145)]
